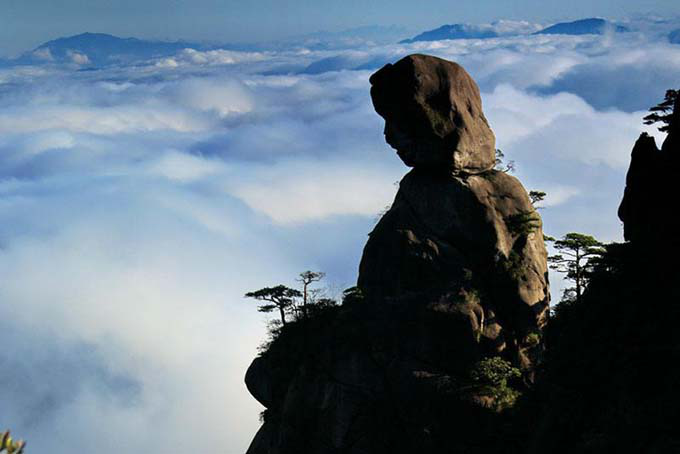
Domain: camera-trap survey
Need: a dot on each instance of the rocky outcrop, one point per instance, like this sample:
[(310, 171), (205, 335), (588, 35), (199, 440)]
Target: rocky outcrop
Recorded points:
[(651, 189), (453, 297), (389, 378)]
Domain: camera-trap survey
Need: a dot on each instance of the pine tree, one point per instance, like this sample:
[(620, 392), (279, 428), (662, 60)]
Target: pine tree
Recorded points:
[(577, 254), (501, 165), (279, 297), (307, 278), (663, 112)]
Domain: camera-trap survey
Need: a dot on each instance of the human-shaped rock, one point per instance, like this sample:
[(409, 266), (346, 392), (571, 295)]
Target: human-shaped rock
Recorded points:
[(454, 273), (455, 222)]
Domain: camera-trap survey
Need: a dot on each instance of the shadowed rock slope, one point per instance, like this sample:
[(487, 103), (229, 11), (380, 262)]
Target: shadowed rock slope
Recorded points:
[(452, 297)]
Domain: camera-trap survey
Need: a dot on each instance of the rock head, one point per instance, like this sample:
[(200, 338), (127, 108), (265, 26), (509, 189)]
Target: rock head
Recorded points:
[(433, 114)]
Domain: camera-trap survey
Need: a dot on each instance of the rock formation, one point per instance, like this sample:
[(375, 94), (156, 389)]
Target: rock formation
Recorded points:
[(454, 217), (452, 297), (650, 187)]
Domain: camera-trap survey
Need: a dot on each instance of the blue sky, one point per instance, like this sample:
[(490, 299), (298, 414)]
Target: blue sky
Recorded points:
[(140, 200), (26, 23)]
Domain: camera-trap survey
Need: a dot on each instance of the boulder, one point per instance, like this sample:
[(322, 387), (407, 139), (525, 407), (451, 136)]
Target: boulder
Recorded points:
[(433, 114)]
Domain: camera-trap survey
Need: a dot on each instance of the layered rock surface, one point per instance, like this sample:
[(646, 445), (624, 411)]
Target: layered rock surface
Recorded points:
[(455, 272)]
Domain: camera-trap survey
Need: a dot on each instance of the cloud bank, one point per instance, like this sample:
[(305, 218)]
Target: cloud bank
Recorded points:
[(139, 203)]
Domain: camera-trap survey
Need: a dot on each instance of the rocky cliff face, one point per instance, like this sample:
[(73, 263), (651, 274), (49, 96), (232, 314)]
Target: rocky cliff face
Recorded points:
[(453, 297)]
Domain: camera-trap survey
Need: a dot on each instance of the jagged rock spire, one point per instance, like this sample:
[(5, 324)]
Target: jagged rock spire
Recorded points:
[(651, 188)]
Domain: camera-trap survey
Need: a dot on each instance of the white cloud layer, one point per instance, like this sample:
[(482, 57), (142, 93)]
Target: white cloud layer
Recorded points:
[(138, 204)]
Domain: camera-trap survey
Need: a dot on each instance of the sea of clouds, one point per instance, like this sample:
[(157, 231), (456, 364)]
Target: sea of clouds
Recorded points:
[(138, 203)]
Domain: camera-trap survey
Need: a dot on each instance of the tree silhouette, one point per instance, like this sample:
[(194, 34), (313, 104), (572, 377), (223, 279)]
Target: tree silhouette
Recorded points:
[(663, 112), (577, 253), (536, 197), (279, 297), (500, 163), (307, 278)]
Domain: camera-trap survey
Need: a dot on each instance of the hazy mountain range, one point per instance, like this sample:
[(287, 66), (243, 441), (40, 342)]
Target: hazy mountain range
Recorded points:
[(594, 26), (455, 31), (100, 49), (97, 50), (583, 27)]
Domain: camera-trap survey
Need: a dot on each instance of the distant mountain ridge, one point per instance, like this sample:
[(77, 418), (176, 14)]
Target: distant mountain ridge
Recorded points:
[(454, 31), (96, 50), (594, 26), (101, 49)]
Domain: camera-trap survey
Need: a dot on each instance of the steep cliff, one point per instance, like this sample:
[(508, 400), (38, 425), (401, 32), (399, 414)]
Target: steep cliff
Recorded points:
[(650, 187), (452, 297)]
